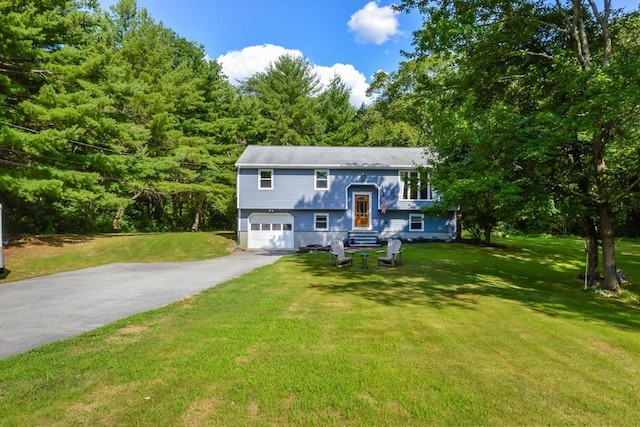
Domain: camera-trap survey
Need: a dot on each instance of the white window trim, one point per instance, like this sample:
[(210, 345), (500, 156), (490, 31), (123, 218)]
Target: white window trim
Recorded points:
[(411, 216), (260, 187), (315, 221), (315, 179), (430, 191)]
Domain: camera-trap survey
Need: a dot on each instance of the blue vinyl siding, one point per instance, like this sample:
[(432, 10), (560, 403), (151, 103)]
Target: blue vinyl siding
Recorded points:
[(294, 189), (391, 224), (398, 221), (394, 222), (338, 220), (291, 188)]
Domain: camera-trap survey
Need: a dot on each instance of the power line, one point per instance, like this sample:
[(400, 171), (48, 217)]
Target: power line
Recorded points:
[(12, 150), (71, 141), (15, 163), (40, 166), (84, 144)]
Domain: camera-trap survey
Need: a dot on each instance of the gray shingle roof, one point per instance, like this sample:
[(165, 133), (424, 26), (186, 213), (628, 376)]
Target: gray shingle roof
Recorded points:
[(331, 157)]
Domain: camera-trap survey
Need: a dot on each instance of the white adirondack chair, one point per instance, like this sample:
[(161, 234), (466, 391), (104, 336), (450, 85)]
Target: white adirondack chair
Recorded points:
[(337, 254), (393, 255)]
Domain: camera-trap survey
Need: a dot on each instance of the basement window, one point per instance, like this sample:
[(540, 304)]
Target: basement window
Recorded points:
[(321, 221), (416, 222)]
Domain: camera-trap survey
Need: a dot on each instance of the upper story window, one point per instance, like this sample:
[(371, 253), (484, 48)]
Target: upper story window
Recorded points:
[(414, 185), (265, 179), (321, 179)]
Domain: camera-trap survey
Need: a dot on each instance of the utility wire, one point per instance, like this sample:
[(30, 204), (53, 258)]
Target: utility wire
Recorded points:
[(12, 150), (84, 144), (9, 162), (71, 141)]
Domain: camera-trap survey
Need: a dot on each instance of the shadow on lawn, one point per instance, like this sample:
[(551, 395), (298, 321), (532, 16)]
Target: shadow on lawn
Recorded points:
[(449, 275)]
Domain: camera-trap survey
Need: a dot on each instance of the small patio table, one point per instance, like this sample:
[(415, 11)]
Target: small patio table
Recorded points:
[(364, 256)]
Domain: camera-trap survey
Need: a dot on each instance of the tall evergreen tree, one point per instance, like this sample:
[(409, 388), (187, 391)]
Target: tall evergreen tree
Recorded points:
[(336, 115), (129, 129), (285, 94)]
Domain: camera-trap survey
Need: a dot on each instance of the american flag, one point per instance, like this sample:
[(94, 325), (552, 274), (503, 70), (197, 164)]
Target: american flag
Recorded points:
[(383, 204)]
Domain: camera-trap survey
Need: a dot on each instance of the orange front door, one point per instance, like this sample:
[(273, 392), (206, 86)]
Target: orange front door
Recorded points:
[(361, 210)]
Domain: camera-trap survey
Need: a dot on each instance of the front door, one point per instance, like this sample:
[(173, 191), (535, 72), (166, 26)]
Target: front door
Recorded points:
[(361, 208)]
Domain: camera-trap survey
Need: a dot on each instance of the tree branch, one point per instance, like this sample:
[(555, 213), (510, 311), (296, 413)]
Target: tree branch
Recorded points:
[(542, 54), (576, 29), (603, 20), (629, 188), (582, 34)]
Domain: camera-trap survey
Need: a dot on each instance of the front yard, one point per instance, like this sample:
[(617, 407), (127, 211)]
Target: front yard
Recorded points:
[(458, 335)]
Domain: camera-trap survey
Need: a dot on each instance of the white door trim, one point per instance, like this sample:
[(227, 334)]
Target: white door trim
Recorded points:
[(353, 209)]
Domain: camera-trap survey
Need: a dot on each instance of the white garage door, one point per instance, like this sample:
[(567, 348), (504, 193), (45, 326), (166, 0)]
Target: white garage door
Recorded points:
[(270, 231)]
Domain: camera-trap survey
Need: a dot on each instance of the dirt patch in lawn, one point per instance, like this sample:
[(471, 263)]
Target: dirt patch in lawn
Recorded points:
[(198, 413), (53, 240), (128, 334)]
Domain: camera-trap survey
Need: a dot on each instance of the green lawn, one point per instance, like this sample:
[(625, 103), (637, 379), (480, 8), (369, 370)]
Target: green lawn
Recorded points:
[(459, 335), (42, 255)]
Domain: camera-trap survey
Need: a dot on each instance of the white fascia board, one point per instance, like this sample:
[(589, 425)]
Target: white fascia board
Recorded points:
[(324, 166)]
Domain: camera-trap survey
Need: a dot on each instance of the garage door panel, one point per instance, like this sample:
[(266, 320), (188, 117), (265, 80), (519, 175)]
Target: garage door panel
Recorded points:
[(270, 231)]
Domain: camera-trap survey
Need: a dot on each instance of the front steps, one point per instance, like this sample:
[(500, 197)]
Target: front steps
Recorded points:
[(363, 238)]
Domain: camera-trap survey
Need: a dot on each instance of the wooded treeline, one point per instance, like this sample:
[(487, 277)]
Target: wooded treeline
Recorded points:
[(111, 121), (533, 108)]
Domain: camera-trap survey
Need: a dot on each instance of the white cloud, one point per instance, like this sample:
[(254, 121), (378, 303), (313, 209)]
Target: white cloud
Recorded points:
[(374, 24), (242, 64), (239, 65), (353, 78)]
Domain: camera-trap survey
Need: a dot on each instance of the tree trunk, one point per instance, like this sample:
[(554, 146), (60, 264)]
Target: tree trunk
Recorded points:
[(116, 219), (487, 235), (608, 247), (604, 210), (196, 221), (591, 242)]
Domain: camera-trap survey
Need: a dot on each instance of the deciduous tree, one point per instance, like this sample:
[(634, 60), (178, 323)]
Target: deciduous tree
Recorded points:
[(565, 98)]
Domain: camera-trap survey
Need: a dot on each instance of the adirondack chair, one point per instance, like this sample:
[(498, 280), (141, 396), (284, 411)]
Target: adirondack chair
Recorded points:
[(393, 254), (337, 254)]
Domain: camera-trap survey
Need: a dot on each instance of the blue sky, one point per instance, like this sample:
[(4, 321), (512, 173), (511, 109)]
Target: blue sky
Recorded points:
[(351, 38)]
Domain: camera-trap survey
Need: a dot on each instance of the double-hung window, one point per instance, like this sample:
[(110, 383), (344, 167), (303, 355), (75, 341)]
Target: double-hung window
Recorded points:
[(321, 179), (265, 179), (414, 185), (321, 221), (416, 222)]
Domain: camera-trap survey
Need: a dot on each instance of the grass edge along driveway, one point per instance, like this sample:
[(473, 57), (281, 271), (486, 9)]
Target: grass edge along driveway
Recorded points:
[(459, 335), (35, 256)]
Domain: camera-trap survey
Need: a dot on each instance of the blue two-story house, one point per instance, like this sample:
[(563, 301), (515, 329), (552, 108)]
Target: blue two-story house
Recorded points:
[(290, 197)]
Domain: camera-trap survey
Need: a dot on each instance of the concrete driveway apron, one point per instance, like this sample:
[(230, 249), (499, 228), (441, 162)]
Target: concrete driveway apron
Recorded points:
[(41, 310)]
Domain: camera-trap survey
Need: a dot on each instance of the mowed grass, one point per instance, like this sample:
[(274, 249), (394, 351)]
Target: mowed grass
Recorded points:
[(459, 335), (42, 255)]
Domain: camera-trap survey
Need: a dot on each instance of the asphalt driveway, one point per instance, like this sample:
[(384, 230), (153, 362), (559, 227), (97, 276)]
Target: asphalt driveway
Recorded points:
[(41, 310)]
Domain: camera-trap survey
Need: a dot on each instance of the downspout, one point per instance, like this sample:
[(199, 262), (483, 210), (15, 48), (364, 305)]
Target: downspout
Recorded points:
[(238, 219), (238, 227)]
